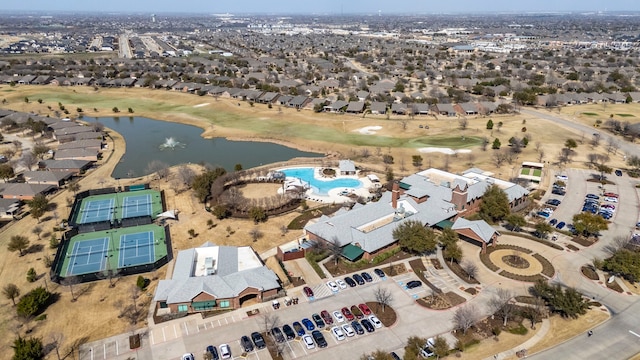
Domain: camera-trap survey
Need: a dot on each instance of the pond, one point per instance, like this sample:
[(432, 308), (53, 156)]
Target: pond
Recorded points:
[(172, 143)]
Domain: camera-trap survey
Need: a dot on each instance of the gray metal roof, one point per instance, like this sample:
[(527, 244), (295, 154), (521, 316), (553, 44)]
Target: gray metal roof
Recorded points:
[(479, 227)]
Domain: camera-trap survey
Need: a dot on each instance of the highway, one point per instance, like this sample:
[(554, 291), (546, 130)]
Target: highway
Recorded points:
[(124, 50)]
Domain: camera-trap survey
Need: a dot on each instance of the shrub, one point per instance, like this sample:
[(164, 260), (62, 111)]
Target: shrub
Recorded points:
[(141, 283), (33, 302), (27, 349), (54, 242), (496, 331), (384, 256), (31, 275)]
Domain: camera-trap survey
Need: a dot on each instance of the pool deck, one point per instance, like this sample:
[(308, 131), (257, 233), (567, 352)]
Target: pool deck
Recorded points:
[(334, 195)]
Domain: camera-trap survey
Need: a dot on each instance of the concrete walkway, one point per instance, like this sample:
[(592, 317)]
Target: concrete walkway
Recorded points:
[(544, 328)]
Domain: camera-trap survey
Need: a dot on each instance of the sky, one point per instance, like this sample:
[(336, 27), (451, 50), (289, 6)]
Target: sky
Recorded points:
[(320, 6)]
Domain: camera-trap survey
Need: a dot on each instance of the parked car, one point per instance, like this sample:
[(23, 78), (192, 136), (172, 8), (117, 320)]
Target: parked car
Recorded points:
[(338, 333), (348, 330), (543, 214), (341, 283), (365, 309), (560, 225), (608, 206), (307, 291), (309, 324), (357, 327), (347, 314), (188, 356), (553, 221), (277, 334), (366, 276), (592, 196), (246, 344), (288, 332), (298, 328), (611, 199), (308, 341), (258, 340), (554, 202), (319, 338), (225, 351), (350, 281), (562, 177), (213, 352), (394, 356), (356, 312), (375, 321), (367, 325), (338, 316), (318, 320), (333, 286), (610, 194), (326, 317), (380, 273), (358, 279), (414, 284), (618, 172), (426, 352), (558, 191)]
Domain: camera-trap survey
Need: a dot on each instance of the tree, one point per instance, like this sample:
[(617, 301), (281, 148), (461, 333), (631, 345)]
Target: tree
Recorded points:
[(258, 214), (220, 211), (515, 221), (535, 311), (568, 302), (39, 150), (377, 355), (625, 263), (37, 230), (56, 341), (38, 206), (589, 224), (603, 169), (412, 236), (383, 296), (201, 184), (453, 252), (542, 228), (33, 302), (161, 169), (413, 347), (416, 160), (115, 109), (496, 144), (237, 167), (500, 306), (465, 317), (28, 159), (70, 281), (470, 268), (141, 283), (440, 347), (6, 171), (490, 124), (11, 291), (448, 237), (130, 110), (32, 276), (495, 204), (570, 144), (18, 243), (27, 349)]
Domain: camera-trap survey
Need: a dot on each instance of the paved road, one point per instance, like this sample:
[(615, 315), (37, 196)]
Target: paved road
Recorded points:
[(625, 147), (124, 48)]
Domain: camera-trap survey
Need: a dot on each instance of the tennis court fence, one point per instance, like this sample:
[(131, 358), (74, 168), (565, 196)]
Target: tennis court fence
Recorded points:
[(94, 226), (136, 221)]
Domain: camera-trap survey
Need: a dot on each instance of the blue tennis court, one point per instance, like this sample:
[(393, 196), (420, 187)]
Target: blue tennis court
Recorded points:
[(134, 206), (97, 210), (136, 249), (88, 256)]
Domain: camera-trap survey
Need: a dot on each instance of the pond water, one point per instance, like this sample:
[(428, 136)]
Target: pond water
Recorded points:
[(174, 144)]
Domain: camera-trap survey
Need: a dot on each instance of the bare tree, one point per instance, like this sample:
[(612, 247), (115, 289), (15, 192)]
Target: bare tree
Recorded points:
[(158, 167), (335, 249), (185, 174), (540, 155), (617, 243), (56, 340), (500, 305), (535, 312), (463, 123), (284, 230), (29, 160), (470, 268), (404, 124), (70, 281), (498, 158), (256, 234), (465, 317), (383, 296), (109, 274)]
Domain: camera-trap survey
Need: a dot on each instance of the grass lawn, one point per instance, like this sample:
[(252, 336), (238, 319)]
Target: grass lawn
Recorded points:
[(625, 115), (524, 171), (590, 114), (537, 172)]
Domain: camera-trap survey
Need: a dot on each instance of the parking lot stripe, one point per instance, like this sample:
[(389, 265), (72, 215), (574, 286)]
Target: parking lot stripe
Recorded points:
[(186, 329), (175, 332), (164, 337)]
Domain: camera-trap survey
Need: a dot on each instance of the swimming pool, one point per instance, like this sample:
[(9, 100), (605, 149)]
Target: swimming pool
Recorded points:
[(321, 187)]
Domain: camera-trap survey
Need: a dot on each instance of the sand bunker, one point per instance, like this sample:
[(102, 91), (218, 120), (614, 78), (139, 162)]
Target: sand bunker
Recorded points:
[(443, 150), (200, 105), (369, 130)]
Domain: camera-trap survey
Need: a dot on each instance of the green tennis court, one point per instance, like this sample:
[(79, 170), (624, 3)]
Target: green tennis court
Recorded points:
[(118, 206), (113, 249)]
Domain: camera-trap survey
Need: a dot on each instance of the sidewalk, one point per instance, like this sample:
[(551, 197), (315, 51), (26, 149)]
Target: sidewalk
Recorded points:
[(544, 328)]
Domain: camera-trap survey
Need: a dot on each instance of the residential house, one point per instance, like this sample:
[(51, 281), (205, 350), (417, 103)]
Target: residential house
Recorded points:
[(336, 106), (55, 178), (355, 107), (444, 109), (89, 144), (9, 208), (24, 191), (378, 108), (214, 277), (77, 167)]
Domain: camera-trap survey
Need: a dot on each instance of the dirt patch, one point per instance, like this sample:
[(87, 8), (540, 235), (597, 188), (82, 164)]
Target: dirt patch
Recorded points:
[(460, 273), (515, 261), (586, 242), (441, 301), (388, 316), (589, 273), (615, 286)]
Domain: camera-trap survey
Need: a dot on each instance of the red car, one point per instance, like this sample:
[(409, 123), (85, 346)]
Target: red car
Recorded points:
[(326, 317), (347, 314), (307, 291), (365, 309), (610, 194)]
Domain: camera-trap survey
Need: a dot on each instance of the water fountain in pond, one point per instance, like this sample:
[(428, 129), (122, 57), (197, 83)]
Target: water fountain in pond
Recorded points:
[(171, 143)]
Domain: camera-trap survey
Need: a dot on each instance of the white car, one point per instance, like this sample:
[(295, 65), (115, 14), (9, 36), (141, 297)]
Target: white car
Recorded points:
[(611, 199), (338, 315), (333, 286), (348, 329), (562, 177), (341, 283), (338, 333), (308, 341), (225, 351), (375, 321), (188, 356)]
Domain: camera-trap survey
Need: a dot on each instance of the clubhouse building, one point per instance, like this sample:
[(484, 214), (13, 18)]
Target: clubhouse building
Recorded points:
[(433, 197), (215, 277)]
